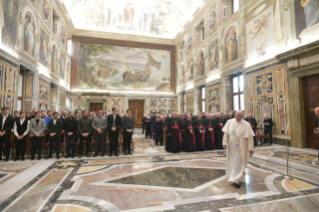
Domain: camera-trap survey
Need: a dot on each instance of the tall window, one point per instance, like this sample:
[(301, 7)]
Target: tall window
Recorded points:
[(238, 92), (203, 94), (184, 102), (200, 32), (235, 6), (20, 92), (55, 26)]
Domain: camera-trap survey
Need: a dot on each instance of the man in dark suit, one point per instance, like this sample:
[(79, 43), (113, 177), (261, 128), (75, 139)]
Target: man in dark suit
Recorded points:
[(253, 123), (6, 124), (21, 130), (128, 123), (54, 130), (85, 129), (70, 127), (114, 124), (268, 123)]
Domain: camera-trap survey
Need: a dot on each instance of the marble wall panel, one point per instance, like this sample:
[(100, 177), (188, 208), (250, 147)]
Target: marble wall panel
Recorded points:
[(282, 113), (264, 84), (29, 86), (189, 102), (280, 80)]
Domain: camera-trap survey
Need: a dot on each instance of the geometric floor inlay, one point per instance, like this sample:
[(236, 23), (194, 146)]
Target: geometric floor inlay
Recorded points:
[(176, 177)]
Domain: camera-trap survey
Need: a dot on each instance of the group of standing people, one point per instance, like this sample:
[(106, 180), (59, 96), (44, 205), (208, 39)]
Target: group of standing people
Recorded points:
[(78, 131)]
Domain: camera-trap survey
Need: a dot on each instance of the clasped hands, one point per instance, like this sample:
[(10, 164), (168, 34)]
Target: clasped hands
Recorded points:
[(130, 131)]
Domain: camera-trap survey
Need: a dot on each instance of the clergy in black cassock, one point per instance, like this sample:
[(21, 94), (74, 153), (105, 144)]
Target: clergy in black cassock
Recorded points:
[(253, 123), (168, 143), (148, 127), (199, 133), (174, 131), (189, 142), (209, 133), (218, 126)]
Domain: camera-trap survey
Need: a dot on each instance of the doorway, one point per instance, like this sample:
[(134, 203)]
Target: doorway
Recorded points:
[(137, 110), (311, 100), (96, 106)]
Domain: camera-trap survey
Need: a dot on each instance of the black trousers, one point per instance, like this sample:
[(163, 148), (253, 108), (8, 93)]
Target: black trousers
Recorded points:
[(21, 144), (99, 137), (70, 143), (56, 140), (5, 139), (268, 132), (114, 138), (159, 137), (148, 132), (88, 139), (36, 145), (127, 141)]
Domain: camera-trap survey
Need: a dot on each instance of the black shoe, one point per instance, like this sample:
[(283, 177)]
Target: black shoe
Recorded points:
[(95, 155), (15, 159), (7, 159), (39, 158), (116, 154), (125, 153), (110, 155), (102, 155), (67, 156), (130, 153), (48, 157), (80, 156), (72, 156), (32, 158), (22, 158), (88, 155), (237, 185), (58, 157)]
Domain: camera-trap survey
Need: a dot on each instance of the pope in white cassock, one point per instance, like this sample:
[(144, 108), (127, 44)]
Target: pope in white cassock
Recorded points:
[(238, 140)]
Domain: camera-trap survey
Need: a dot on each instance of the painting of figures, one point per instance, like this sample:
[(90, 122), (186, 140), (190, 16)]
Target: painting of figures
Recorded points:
[(62, 66), (29, 34), (43, 94), (213, 56), (190, 71), (212, 20), (10, 17), (307, 15), (182, 75), (231, 48), (123, 68), (159, 18), (62, 35), (46, 9), (44, 48), (9, 102), (201, 63), (54, 60)]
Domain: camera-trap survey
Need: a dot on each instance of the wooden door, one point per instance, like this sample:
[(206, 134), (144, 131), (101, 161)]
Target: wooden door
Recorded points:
[(96, 106), (311, 100), (137, 110)]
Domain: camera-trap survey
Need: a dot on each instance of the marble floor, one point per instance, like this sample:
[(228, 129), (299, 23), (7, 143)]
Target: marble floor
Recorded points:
[(153, 180)]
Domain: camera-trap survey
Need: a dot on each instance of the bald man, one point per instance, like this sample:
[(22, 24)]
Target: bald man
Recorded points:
[(253, 123), (237, 140)]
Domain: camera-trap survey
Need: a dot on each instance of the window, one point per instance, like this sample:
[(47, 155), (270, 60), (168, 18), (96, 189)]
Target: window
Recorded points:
[(200, 32), (20, 92), (238, 92), (70, 46), (181, 50), (230, 7), (235, 6), (184, 102), (55, 26), (203, 92)]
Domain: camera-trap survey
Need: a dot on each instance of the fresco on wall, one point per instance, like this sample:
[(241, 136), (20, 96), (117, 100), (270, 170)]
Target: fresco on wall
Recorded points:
[(251, 106), (63, 35), (9, 102), (62, 66), (29, 34), (160, 18), (190, 71), (182, 75), (33, 2), (189, 102), (213, 95), (10, 16), (281, 113), (63, 99), (162, 103), (153, 103), (200, 63), (231, 48), (260, 35), (43, 94), (46, 7), (44, 48), (54, 94), (10, 80), (307, 15), (68, 69), (54, 60), (212, 21), (213, 108), (264, 84), (189, 41), (123, 68), (280, 80), (265, 106), (44, 106), (213, 56), (29, 86)]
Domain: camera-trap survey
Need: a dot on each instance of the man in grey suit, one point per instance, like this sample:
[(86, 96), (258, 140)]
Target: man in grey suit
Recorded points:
[(99, 125), (128, 124), (37, 128), (85, 128)]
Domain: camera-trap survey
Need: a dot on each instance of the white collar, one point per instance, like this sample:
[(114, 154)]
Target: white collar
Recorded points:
[(22, 120)]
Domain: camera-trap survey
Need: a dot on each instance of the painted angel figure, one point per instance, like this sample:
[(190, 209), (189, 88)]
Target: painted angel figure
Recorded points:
[(260, 25)]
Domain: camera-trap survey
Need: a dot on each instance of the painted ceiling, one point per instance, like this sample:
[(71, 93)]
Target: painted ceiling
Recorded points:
[(155, 18)]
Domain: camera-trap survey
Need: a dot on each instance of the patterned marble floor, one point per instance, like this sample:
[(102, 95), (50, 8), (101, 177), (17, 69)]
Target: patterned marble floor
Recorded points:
[(159, 181)]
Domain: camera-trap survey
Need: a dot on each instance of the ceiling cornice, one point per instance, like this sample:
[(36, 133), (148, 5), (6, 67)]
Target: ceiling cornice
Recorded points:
[(65, 14), (124, 37)]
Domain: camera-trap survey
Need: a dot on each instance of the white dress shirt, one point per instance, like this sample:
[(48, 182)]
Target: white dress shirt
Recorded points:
[(15, 128), (114, 116), (54, 121)]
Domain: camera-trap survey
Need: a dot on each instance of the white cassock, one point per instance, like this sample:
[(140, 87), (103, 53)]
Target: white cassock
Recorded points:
[(238, 138)]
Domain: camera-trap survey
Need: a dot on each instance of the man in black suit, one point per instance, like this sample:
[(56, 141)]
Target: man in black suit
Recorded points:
[(114, 123), (70, 127), (253, 123), (268, 123), (54, 130), (21, 130), (6, 124)]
